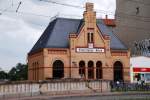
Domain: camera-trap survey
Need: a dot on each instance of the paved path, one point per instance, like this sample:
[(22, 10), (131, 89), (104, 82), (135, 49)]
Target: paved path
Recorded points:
[(96, 96)]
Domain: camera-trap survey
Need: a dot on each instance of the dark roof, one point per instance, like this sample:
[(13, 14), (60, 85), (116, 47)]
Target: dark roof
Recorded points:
[(56, 34)]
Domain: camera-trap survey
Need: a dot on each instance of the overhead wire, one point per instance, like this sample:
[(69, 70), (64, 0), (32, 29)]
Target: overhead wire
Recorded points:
[(118, 15), (76, 6), (25, 13), (7, 9), (97, 10), (63, 4), (4, 10), (18, 6)]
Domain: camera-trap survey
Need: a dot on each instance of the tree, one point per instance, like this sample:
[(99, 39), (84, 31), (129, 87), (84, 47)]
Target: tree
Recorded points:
[(18, 73), (3, 75)]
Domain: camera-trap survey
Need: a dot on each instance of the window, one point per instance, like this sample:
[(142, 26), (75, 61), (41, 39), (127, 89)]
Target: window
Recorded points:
[(90, 70), (35, 70), (82, 68), (90, 37), (99, 70)]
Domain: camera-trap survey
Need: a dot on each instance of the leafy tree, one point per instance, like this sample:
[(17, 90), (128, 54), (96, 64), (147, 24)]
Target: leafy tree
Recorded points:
[(19, 72), (12, 74), (3, 75)]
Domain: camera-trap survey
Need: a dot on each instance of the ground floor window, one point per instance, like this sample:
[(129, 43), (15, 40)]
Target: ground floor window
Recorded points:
[(99, 70), (90, 70), (58, 69), (82, 69)]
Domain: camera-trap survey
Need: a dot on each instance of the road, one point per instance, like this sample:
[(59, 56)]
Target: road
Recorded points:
[(116, 97), (132, 96)]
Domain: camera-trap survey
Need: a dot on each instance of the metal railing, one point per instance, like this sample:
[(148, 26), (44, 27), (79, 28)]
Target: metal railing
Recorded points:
[(123, 87)]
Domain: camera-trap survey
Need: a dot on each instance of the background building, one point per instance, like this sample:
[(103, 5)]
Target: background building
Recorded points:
[(140, 69), (133, 25)]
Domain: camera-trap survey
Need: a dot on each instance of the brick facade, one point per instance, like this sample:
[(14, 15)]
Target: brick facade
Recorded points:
[(88, 47)]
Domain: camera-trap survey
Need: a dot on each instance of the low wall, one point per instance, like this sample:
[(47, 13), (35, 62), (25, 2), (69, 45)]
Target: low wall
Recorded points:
[(52, 88)]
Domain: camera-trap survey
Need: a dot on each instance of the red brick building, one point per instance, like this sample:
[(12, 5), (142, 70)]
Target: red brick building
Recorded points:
[(79, 48)]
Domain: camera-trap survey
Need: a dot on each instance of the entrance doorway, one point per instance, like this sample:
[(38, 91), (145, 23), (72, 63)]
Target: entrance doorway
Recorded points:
[(118, 71), (58, 69)]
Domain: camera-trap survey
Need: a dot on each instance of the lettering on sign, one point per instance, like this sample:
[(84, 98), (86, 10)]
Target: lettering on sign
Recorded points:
[(90, 50)]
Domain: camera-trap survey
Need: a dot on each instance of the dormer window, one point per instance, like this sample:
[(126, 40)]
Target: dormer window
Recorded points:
[(90, 38)]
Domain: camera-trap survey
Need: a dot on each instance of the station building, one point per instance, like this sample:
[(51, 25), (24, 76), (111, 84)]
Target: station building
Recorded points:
[(79, 48)]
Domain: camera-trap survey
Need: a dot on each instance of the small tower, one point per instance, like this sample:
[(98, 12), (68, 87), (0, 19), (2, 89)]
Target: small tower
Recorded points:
[(90, 15)]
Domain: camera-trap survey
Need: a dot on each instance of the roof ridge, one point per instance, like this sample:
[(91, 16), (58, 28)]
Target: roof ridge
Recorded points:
[(67, 18)]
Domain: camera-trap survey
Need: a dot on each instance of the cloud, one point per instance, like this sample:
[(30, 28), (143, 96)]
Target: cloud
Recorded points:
[(20, 31), (17, 38)]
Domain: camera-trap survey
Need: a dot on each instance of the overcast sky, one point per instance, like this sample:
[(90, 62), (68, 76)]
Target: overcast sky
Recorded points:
[(19, 31)]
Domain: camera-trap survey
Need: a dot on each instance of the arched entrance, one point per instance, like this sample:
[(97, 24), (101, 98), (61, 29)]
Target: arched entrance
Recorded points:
[(99, 72), (90, 70), (118, 71), (58, 69), (82, 68)]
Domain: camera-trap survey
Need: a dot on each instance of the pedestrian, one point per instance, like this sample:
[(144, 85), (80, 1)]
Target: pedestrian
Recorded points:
[(142, 79)]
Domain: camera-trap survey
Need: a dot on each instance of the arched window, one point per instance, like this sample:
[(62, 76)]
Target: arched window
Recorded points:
[(90, 70), (58, 69), (99, 73), (82, 68), (90, 37), (118, 71), (37, 67), (33, 70)]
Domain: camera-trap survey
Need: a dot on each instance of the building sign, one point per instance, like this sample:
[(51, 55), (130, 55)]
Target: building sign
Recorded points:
[(141, 69), (90, 50)]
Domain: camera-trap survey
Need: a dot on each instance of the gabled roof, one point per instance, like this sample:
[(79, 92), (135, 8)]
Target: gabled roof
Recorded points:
[(56, 34)]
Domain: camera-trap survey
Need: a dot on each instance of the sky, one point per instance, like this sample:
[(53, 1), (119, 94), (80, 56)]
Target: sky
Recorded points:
[(20, 30)]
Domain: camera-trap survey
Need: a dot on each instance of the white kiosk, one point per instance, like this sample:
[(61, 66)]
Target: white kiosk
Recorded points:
[(140, 69)]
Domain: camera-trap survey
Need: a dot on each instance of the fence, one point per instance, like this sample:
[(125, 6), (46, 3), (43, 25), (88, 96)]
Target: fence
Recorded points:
[(23, 89), (123, 87)]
